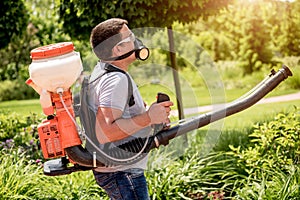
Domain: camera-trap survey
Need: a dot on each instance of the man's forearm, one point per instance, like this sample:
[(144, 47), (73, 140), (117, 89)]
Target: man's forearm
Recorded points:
[(122, 128)]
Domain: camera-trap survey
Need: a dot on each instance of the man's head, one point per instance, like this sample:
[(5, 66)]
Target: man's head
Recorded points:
[(113, 41), (105, 36)]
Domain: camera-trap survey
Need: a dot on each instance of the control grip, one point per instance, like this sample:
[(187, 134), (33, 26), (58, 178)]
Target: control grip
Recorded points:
[(161, 97)]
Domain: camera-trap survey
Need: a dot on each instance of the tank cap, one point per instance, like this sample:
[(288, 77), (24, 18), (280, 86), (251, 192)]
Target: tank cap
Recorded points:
[(52, 50)]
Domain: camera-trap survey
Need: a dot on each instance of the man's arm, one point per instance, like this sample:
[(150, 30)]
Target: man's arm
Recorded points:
[(110, 126)]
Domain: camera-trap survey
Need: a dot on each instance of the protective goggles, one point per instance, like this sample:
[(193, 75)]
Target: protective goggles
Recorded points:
[(130, 38), (140, 50)]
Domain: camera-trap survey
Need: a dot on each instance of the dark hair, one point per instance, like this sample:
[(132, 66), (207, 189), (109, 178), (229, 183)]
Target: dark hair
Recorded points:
[(105, 36)]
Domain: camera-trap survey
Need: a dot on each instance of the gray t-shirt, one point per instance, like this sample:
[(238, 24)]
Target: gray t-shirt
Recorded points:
[(112, 91)]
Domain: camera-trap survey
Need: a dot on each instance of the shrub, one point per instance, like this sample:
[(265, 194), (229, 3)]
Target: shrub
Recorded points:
[(274, 184), (275, 144), (20, 179), (193, 176), (271, 160), (20, 133), (16, 90), (10, 125), (294, 82), (294, 64)]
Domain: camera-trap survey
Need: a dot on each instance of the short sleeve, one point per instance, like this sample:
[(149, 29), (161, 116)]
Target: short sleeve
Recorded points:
[(113, 91)]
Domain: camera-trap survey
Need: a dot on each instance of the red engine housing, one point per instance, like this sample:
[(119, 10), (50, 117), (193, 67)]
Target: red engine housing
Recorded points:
[(59, 131)]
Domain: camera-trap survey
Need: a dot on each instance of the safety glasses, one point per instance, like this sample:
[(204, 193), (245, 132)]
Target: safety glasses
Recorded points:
[(130, 38)]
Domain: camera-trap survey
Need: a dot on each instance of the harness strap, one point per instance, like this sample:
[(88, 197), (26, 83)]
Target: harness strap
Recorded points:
[(109, 68)]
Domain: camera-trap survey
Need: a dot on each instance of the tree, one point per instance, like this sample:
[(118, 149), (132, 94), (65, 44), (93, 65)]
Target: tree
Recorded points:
[(140, 13), (41, 29), (286, 32), (255, 41), (13, 21), (80, 16), (244, 34)]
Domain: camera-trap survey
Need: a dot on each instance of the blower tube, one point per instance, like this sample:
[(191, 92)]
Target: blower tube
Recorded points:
[(84, 158)]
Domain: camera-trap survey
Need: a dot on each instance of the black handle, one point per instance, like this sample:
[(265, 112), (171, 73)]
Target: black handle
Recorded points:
[(161, 97)]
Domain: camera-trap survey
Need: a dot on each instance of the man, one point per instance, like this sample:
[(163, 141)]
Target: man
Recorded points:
[(114, 44)]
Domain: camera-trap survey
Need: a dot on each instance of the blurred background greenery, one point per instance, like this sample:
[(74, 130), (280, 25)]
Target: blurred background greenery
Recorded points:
[(223, 48), (243, 39)]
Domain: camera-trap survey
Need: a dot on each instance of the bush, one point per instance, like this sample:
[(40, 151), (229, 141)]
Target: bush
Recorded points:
[(192, 176), (274, 144), (274, 184), (271, 160), (294, 64), (10, 125), (16, 90), (21, 163), (20, 133), (294, 81), (20, 179)]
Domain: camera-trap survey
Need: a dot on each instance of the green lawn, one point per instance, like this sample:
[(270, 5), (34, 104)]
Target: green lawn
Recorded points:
[(198, 97), (258, 113), (201, 96), (246, 118), (23, 107)]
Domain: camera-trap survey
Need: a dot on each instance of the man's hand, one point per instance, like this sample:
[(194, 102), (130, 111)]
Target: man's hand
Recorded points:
[(159, 112)]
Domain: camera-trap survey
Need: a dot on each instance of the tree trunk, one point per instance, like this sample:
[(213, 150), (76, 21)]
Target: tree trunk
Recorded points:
[(176, 79)]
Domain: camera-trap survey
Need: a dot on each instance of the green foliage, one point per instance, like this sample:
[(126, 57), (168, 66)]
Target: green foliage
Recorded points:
[(43, 28), (192, 176), (10, 125), (16, 90), (294, 64), (20, 133), (254, 33), (243, 173), (21, 166), (139, 13), (254, 50), (13, 21), (286, 36), (20, 179), (16, 56), (274, 184), (268, 166), (45, 22), (275, 144)]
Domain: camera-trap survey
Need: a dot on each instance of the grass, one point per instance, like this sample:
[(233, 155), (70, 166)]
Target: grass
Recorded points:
[(22, 180), (194, 91), (23, 107), (174, 179), (26, 107), (258, 113), (193, 97)]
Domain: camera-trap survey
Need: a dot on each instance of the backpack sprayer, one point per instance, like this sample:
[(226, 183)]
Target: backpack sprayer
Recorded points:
[(55, 68)]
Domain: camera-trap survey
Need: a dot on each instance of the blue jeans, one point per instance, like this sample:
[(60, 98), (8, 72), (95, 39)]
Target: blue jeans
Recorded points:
[(124, 185)]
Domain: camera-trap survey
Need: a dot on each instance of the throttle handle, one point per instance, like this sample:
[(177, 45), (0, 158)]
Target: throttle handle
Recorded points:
[(161, 97)]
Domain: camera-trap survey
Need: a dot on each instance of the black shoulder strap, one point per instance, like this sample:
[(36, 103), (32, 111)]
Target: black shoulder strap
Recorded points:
[(109, 68)]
